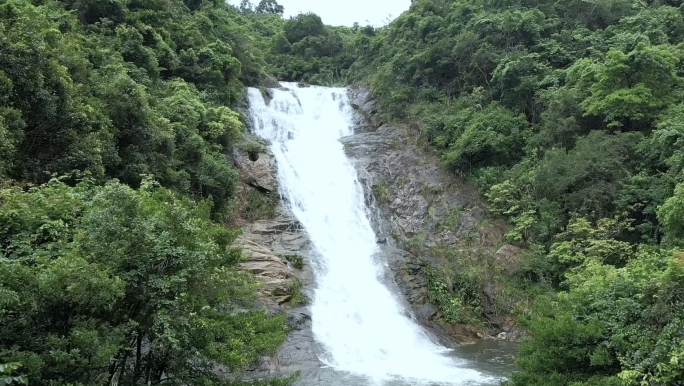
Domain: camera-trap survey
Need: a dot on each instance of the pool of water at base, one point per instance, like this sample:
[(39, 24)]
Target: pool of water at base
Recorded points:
[(493, 358)]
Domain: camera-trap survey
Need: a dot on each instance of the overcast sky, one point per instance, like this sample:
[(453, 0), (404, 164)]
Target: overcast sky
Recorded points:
[(345, 12)]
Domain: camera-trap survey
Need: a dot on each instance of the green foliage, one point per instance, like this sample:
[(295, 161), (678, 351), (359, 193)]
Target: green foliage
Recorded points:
[(629, 88), (296, 260), (303, 26), (568, 116), (260, 206), (586, 179), (490, 137), (6, 377), (670, 215), (269, 382), (252, 149), (297, 296), (415, 243), (270, 6), (120, 285), (303, 49), (125, 89), (450, 306), (381, 192), (620, 324)]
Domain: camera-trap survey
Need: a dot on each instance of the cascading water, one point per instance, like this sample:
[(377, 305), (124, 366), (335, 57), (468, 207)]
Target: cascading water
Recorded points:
[(362, 327)]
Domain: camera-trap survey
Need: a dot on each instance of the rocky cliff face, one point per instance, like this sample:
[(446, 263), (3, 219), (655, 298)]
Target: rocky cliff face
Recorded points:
[(424, 216), (276, 250)]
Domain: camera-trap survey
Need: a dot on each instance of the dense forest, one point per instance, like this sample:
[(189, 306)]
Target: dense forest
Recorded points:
[(568, 116), (116, 118)]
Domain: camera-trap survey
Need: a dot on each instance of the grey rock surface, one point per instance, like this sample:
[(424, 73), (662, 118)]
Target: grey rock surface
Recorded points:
[(415, 206), (366, 107), (421, 196), (260, 174), (270, 247), (509, 259), (268, 81)]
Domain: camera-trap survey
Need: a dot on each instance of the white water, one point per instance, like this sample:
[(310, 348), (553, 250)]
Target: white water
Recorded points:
[(355, 317)]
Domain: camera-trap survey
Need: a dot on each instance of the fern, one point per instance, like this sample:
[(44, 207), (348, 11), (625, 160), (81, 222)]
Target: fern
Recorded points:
[(7, 298)]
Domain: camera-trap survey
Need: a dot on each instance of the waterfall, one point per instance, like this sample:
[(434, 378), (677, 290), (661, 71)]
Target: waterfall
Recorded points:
[(359, 322)]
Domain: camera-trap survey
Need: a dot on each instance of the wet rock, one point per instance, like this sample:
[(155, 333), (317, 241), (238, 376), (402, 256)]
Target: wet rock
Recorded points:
[(268, 81), (366, 107), (272, 272), (509, 324), (426, 312), (465, 333), (499, 322), (299, 320), (424, 206), (253, 156), (259, 172), (512, 336), (422, 196), (267, 244), (489, 304)]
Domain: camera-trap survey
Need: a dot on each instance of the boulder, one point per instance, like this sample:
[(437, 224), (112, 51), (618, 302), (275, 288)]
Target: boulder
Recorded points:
[(366, 107), (268, 81), (509, 259), (257, 170)]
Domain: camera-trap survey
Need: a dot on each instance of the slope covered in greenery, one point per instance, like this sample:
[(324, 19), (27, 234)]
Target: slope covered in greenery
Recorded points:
[(106, 284), (119, 89), (116, 123), (568, 116)]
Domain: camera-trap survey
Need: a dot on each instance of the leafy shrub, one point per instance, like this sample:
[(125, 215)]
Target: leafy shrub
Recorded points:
[(92, 274)]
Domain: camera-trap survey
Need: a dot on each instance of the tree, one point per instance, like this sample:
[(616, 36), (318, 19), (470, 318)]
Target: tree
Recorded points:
[(612, 326), (671, 216), (246, 7), (125, 286), (270, 7), (630, 88), (493, 136), (586, 179), (302, 26), (92, 11), (518, 79)]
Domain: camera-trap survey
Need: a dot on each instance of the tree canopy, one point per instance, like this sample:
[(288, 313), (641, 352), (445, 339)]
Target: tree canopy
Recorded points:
[(117, 121), (107, 284)]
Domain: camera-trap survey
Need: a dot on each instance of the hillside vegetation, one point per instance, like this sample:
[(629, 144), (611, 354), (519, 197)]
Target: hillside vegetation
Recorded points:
[(117, 118), (568, 116)]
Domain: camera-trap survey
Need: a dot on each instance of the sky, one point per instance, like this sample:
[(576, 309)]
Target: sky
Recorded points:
[(345, 12)]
